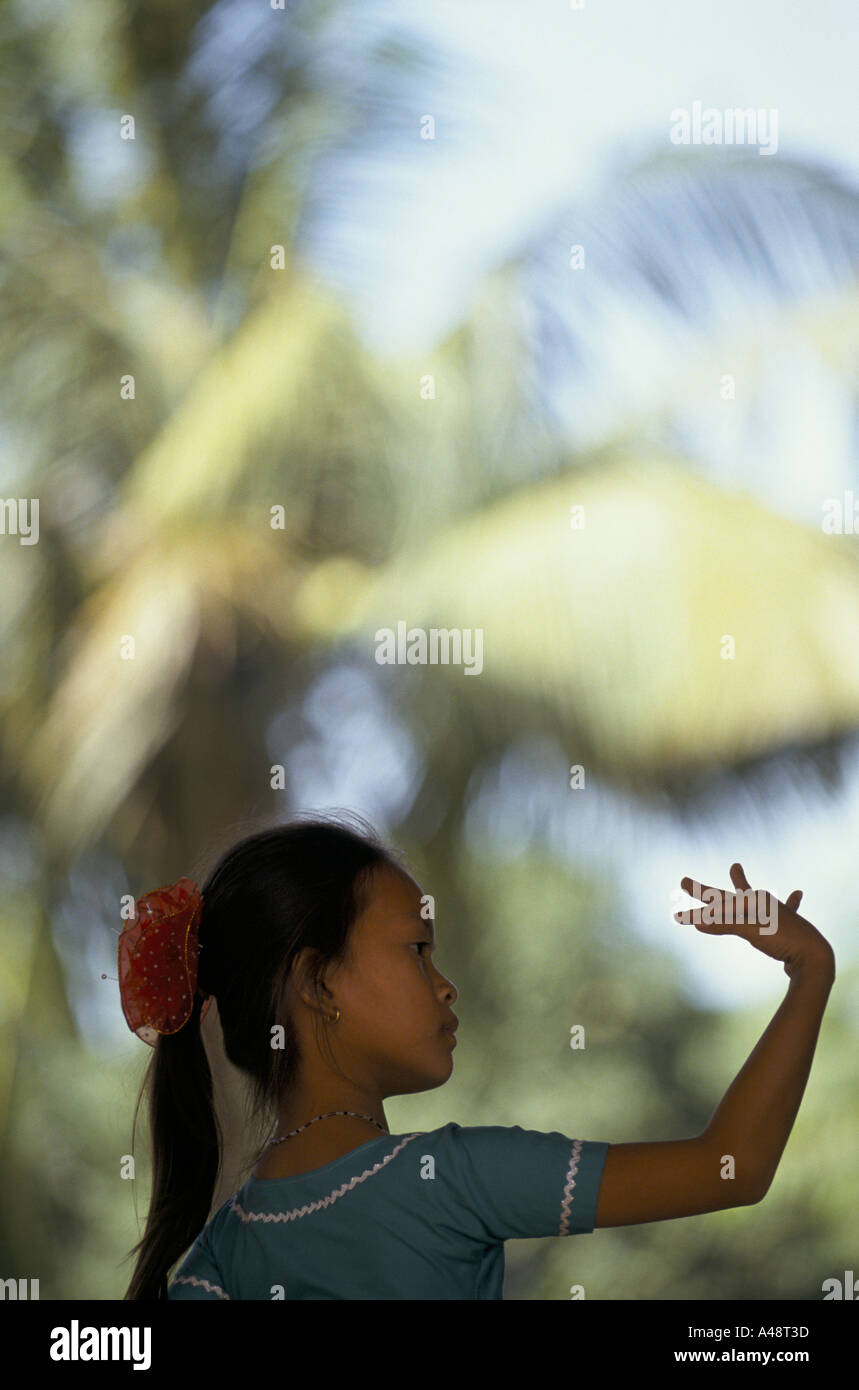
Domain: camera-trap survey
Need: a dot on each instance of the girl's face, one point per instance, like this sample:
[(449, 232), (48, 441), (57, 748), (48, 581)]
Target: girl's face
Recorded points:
[(394, 1002)]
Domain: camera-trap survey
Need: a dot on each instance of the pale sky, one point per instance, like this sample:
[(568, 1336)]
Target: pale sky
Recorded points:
[(549, 99)]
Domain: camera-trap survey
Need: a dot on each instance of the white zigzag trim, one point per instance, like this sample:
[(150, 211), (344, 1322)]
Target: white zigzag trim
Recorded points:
[(564, 1229), (203, 1284), (323, 1201)]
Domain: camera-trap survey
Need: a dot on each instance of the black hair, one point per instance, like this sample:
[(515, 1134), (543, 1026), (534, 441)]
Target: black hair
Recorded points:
[(300, 884)]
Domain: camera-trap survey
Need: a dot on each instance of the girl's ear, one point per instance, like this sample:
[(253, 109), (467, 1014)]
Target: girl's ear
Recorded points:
[(304, 981)]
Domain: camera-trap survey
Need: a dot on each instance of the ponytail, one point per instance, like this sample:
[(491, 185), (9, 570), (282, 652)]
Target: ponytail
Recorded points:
[(186, 1153)]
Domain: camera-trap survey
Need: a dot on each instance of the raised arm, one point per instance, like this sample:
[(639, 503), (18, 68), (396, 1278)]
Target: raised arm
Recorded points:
[(684, 1177)]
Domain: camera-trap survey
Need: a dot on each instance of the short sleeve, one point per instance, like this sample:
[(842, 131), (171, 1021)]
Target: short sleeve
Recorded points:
[(199, 1275), (518, 1183)]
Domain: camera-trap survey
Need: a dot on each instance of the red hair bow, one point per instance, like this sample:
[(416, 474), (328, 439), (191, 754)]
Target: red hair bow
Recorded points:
[(159, 955)]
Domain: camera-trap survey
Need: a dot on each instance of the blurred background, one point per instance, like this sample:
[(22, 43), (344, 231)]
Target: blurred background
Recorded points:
[(324, 318)]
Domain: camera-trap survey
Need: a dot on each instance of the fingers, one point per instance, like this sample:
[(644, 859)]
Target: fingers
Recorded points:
[(713, 897), (691, 917), (716, 899), (718, 896), (738, 877), (697, 890)]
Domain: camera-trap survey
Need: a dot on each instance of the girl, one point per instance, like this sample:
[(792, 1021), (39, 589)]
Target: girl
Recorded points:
[(317, 945)]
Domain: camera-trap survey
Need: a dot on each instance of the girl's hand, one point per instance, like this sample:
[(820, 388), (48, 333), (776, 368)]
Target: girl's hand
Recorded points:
[(761, 919)]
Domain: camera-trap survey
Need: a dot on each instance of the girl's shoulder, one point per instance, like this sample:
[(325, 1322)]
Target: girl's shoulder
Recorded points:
[(512, 1182)]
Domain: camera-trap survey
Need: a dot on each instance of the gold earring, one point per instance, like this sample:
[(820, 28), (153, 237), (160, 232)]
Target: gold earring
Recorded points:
[(337, 1019)]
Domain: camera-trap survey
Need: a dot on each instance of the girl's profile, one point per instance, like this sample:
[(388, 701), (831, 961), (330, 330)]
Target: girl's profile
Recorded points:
[(318, 948)]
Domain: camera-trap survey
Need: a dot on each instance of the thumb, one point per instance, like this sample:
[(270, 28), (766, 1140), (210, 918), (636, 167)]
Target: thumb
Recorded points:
[(793, 901)]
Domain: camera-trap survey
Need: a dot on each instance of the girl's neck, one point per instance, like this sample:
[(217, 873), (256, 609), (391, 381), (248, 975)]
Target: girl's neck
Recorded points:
[(306, 1119), (315, 1146)]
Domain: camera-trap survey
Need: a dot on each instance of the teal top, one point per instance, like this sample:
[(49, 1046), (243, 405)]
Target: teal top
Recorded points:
[(411, 1216)]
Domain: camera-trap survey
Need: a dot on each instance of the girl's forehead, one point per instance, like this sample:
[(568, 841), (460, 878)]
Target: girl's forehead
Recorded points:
[(396, 883), (397, 897)]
